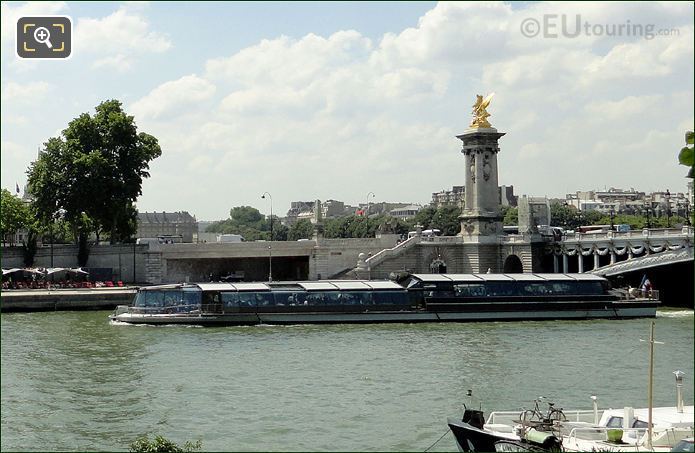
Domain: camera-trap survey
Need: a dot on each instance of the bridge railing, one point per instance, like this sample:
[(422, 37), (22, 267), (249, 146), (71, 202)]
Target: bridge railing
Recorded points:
[(393, 251)]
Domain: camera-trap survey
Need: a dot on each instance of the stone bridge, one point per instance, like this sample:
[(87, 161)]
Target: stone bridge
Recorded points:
[(524, 253), (592, 251)]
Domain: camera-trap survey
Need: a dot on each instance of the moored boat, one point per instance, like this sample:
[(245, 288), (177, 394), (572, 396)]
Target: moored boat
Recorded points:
[(578, 430), (418, 298)]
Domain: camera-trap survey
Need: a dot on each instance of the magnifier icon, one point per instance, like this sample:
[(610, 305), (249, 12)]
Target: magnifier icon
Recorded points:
[(43, 36)]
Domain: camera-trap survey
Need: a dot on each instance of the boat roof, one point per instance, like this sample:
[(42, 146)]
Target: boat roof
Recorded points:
[(233, 286), (661, 416), (433, 278), (317, 286)]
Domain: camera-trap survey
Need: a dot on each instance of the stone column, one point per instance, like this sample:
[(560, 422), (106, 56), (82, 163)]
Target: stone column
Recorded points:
[(565, 263), (481, 220), (596, 259), (580, 259), (612, 255), (556, 264)]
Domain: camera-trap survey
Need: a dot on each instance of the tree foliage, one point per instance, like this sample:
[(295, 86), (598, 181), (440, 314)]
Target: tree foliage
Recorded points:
[(14, 215), (510, 215), (160, 444), (94, 170), (687, 155), (445, 218), (302, 229), (251, 224)]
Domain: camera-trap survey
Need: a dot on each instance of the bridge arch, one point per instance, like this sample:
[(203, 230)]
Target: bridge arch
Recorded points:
[(513, 265)]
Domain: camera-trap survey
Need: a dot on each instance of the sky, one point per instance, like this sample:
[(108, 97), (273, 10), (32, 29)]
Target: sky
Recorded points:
[(336, 100)]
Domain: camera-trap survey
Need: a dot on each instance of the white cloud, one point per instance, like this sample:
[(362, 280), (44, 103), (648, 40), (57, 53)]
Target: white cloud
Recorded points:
[(624, 108), (119, 38), (24, 92), (174, 97), (11, 149), (11, 13), (119, 62), (339, 115)]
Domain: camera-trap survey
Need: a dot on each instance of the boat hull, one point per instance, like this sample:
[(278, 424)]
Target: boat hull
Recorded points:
[(521, 312), (469, 438)]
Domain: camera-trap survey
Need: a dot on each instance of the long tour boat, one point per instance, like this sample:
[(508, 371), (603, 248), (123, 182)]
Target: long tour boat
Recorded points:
[(417, 298)]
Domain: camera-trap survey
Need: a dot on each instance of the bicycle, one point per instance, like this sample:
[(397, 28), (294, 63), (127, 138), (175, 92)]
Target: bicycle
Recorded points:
[(536, 418)]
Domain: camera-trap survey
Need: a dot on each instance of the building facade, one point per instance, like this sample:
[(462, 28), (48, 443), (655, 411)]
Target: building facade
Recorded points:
[(154, 224)]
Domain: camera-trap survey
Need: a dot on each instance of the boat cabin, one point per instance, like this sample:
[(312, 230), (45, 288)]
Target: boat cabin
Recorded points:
[(217, 298), (508, 286)]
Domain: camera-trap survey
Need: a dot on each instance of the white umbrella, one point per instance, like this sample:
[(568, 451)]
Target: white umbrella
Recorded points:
[(9, 271)]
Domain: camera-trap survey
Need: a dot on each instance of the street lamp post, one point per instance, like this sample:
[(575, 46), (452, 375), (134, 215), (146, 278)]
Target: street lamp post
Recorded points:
[(366, 213), (270, 247), (668, 209), (612, 214)]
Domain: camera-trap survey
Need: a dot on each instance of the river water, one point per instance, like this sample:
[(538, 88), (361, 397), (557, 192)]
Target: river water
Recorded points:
[(72, 381)]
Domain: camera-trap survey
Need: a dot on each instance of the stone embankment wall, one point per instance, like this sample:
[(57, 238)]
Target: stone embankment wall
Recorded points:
[(118, 257), (68, 299)]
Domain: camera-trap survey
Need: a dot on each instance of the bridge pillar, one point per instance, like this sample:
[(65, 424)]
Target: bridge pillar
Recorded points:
[(565, 263), (629, 252), (596, 259), (612, 256), (556, 264), (580, 259), (481, 220)]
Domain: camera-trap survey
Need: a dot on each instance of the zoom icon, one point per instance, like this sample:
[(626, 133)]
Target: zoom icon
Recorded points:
[(44, 37)]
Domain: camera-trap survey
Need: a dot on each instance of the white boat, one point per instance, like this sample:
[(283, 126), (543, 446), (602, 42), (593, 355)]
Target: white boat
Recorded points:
[(627, 429), (577, 430)]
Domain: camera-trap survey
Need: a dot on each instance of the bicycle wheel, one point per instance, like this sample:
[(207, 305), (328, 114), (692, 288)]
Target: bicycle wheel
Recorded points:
[(557, 415), (528, 416)]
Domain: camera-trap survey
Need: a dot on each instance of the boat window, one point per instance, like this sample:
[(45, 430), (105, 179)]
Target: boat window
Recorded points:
[(264, 299), (561, 288), (355, 298), (289, 297), (470, 290), (640, 424), (192, 296), (390, 298), (211, 298), (230, 300), (172, 298), (247, 299), (154, 298), (501, 289), (615, 422), (139, 299), (321, 298), (590, 288), (534, 289)]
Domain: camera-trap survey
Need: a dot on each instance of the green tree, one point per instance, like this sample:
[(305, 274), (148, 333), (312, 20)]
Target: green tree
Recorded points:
[(564, 215), (95, 168), (302, 229), (14, 215), (248, 222), (687, 155), (246, 215), (424, 217), (447, 220), (510, 215)]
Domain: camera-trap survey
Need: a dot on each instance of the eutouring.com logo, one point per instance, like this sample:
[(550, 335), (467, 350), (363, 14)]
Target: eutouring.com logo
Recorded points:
[(572, 26)]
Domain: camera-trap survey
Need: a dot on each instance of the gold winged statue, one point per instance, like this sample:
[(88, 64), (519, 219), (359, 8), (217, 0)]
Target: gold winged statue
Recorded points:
[(480, 114)]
